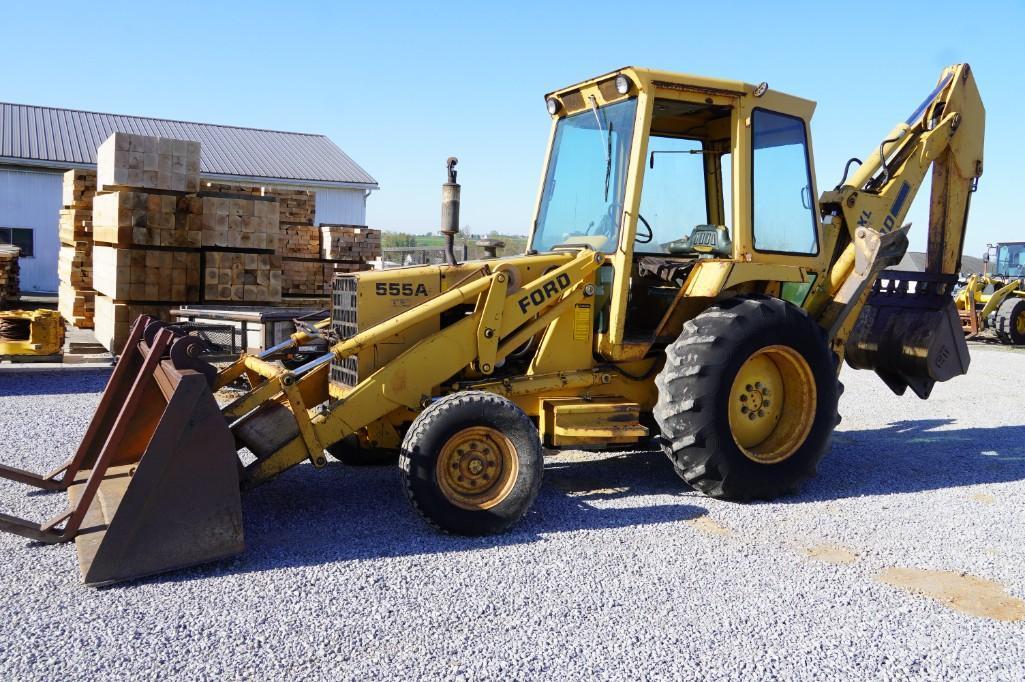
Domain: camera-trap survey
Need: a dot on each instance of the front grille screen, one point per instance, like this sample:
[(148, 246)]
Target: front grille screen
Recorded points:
[(345, 325)]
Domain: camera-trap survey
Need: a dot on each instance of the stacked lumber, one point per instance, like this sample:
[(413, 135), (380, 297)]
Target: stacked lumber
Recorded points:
[(146, 275), (75, 294), (137, 218), (237, 221), (295, 206), (147, 230), (79, 189), (9, 285), (300, 241), (242, 277), (74, 265), (77, 306), (300, 277), (114, 320), (75, 225), (351, 243), (298, 206), (127, 160)]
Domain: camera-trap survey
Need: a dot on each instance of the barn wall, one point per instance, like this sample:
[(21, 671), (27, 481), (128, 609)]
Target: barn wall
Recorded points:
[(341, 206), (32, 199)]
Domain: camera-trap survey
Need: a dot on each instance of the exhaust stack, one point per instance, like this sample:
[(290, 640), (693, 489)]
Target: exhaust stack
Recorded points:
[(450, 210)]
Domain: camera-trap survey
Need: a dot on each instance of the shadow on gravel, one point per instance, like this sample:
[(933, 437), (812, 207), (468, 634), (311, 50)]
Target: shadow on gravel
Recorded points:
[(52, 382), (309, 518), (916, 456)]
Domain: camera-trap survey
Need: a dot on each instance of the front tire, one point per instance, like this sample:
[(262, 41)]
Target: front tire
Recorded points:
[(471, 463), (1009, 321), (748, 399)]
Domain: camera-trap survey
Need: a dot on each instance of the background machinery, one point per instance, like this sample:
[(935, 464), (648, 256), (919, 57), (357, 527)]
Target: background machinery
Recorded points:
[(681, 281), (31, 335), (995, 299)]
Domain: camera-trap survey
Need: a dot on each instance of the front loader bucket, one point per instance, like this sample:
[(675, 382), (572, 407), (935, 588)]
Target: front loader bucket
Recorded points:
[(909, 332), (155, 484)]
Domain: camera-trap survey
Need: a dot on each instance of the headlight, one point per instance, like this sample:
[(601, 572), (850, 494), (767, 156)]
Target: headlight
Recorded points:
[(553, 106), (622, 84)]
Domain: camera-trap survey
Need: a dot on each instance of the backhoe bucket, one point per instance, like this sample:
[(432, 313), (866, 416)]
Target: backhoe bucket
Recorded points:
[(909, 332), (155, 484)]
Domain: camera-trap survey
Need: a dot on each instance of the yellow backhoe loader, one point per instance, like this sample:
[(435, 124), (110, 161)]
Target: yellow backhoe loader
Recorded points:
[(681, 282), (995, 299)]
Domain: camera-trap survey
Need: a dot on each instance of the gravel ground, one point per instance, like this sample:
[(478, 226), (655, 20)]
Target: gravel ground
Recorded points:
[(618, 572)]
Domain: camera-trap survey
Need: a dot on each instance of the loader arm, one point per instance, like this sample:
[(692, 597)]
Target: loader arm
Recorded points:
[(501, 321), (867, 212)]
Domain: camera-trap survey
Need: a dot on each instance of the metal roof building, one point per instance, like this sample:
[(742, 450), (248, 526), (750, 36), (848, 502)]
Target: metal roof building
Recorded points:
[(37, 144)]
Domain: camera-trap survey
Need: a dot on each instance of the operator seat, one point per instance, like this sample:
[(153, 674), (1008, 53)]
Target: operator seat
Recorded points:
[(704, 241)]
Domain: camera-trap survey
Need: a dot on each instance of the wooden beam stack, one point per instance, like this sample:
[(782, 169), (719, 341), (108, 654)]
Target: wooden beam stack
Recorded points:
[(75, 294), (242, 277), (74, 267), (295, 206), (300, 277), (79, 189), (238, 221), (300, 241), (147, 231), (163, 239), (114, 320), (135, 218), (9, 284), (350, 243), (145, 162), (146, 275)]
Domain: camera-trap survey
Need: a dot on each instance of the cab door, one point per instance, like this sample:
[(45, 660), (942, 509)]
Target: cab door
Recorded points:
[(778, 212)]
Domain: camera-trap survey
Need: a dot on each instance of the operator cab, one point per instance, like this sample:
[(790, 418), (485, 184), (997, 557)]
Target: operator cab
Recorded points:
[(641, 167)]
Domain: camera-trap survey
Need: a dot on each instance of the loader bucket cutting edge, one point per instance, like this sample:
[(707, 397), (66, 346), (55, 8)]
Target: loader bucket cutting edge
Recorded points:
[(155, 485)]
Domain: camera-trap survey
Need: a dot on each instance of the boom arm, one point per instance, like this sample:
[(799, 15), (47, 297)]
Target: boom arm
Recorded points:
[(946, 133), (910, 336)]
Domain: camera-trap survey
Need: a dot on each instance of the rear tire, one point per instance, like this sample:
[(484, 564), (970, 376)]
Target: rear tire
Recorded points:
[(705, 410), (472, 463), (1009, 321)]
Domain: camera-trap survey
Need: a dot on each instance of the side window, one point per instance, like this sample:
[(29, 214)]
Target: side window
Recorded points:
[(22, 237), (784, 208), (677, 189), (673, 200)]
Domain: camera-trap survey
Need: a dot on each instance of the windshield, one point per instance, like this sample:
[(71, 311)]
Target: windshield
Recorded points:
[(582, 198), (1011, 260)]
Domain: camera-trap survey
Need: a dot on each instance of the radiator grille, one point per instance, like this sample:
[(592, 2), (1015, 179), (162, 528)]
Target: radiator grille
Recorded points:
[(345, 325)]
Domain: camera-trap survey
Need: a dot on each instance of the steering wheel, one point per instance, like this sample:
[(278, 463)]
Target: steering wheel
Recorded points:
[(648, 237), (606, 226)]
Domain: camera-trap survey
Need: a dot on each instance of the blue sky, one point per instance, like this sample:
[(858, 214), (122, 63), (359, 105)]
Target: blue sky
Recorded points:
[(401, 86)]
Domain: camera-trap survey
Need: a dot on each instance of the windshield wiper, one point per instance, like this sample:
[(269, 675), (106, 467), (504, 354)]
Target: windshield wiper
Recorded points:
[(608, 144)]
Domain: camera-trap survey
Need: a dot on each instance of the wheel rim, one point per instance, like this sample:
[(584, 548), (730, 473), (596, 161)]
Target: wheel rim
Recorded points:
[(1019, 322), (477, 468), (772, 404)]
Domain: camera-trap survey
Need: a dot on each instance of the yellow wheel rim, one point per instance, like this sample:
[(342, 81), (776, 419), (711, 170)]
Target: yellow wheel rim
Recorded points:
[(772, 404), (1019, 322), (477, 468)]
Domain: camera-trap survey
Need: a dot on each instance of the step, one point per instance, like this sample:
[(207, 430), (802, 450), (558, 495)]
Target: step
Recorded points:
[(598, 421)]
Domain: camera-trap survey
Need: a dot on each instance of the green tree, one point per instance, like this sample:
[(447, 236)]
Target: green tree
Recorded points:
[(398, 239)]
